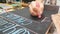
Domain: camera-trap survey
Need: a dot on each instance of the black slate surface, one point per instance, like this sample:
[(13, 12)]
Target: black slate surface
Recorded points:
[(8, 27), (38, 26)]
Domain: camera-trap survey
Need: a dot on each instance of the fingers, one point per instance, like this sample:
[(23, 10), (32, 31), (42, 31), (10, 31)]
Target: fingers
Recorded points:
[(40, 12), (37, 11), (33, 11)]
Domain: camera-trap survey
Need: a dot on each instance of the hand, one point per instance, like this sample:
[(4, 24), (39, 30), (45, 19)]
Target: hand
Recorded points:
[(36, 10), (56, 21)]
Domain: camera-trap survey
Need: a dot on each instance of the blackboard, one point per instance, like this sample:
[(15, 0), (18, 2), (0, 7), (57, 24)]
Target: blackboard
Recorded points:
[(36, 26)]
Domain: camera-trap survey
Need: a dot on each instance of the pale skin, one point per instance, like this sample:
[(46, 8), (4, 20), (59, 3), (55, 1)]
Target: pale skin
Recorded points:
[(56, 21), (36, 11)]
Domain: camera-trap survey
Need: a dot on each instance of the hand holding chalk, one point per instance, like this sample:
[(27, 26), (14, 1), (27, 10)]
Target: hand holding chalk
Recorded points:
[(36, 8)]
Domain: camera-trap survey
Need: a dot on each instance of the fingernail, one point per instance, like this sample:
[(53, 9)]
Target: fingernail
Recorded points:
[(39, 16)]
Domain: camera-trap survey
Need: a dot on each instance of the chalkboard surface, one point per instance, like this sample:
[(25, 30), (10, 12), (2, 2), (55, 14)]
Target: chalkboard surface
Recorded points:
[(27, 23)]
